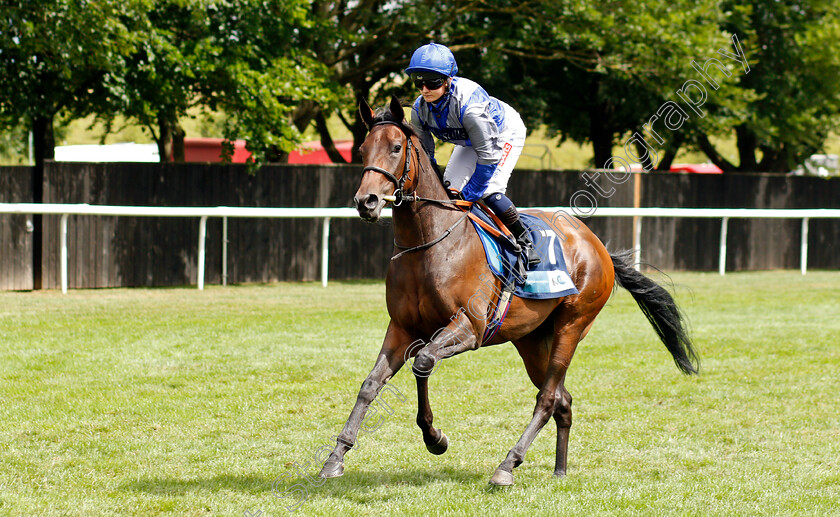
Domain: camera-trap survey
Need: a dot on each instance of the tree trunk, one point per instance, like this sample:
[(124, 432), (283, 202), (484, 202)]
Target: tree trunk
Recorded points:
[(715, 157), (601, 132), (670, 153), (43, 140), (178, 147), (164, 142), (600, 135), (746, 148), (326, 140), (647, 162), (775, 159), (275, 155), (44, 149), (304, 112)]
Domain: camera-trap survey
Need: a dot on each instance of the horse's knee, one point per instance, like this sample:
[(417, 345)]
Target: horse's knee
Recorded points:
[(546, 402), (369, 390)]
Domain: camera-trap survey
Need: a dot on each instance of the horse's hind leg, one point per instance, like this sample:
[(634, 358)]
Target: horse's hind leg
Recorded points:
[(563, 418), (535, 350), (552, 395)]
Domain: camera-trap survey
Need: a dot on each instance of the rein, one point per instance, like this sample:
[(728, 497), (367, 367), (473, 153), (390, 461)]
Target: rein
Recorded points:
[(430, 243), (400, 195)]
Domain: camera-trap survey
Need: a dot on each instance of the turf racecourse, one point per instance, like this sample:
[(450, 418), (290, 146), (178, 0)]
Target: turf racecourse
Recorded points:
[(179, 402)]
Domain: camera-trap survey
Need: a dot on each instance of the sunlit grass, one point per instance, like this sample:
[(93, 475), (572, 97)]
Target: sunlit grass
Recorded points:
[(175, 401)]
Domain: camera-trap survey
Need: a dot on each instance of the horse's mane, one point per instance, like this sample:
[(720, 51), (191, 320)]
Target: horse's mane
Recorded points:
[(384, 115)]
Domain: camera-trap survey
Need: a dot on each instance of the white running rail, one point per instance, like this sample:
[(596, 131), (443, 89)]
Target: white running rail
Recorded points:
[(203, 213)]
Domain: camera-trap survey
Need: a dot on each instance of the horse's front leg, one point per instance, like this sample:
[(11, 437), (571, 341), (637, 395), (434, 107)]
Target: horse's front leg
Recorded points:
[(390, 360), (455, 338)]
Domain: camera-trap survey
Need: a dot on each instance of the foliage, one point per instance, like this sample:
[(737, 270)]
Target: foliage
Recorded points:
[(594, 72), (598, 72), (364, 46), (795, 74), (590, 72), (56, 54), (14, 146), (153, 60), (60, 55), (237, 56)]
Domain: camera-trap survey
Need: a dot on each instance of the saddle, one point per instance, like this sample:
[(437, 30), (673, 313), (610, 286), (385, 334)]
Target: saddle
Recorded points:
[(549, 279)]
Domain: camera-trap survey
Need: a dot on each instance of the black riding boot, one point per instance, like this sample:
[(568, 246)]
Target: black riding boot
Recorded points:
[(503, 207), (523, 238)]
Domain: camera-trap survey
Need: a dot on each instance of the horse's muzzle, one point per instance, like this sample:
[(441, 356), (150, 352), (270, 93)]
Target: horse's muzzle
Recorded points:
[(369, 206)]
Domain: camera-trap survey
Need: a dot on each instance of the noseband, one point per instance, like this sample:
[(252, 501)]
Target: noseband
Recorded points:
[(399, 194)]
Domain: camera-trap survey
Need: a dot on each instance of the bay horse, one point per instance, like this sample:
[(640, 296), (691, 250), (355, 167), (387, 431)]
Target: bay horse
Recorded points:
[(434, 274)]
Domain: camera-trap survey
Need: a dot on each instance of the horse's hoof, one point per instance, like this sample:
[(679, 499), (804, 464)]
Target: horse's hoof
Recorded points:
[(332, 469), (559, 473), (441, 445), (501, 478)]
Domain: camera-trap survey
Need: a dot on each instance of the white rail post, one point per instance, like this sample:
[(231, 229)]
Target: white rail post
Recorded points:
[(325, 251), (64, 253), (202, 233), (224, 250), (637, 238), (803, 253), (724, 226)]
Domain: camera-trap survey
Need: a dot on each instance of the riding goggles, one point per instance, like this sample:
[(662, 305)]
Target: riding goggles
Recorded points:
[(432, 83)]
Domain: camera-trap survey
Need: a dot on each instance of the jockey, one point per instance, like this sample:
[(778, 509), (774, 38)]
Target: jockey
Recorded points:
[(488, 135)]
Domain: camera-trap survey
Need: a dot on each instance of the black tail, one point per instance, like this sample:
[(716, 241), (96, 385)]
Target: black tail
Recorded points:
[(660, 309)]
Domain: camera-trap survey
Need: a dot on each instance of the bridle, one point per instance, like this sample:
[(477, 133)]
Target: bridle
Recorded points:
[(399, 194)]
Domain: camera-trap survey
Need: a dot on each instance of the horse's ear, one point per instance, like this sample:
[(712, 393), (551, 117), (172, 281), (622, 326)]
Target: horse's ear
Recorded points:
[(396, 109), (365, 112)]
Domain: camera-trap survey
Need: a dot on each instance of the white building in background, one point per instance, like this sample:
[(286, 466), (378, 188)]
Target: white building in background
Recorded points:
[(199, 149), (124, 152)]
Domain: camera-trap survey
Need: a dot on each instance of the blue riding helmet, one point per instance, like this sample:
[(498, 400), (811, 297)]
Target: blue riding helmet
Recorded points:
[(433, 58)]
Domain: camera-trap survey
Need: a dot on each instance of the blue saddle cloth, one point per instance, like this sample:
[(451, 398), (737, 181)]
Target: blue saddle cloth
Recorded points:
[(548, 279)]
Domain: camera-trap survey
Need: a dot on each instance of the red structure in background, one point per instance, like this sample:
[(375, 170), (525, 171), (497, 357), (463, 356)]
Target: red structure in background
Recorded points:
[(312, 152), (210, 150), (696, 168), (693, 168)]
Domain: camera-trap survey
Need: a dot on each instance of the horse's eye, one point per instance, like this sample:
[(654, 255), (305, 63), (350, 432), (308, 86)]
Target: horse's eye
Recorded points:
[(397, 148)]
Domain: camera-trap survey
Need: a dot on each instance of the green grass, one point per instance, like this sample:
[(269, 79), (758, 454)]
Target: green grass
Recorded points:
[(174, 401)]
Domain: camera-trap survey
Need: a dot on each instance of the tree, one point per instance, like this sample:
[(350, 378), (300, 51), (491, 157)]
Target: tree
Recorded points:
[(794, 63), (364, 46), (260, 70), (152, 60), (237, 56), (59, 55), (595, 72)]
